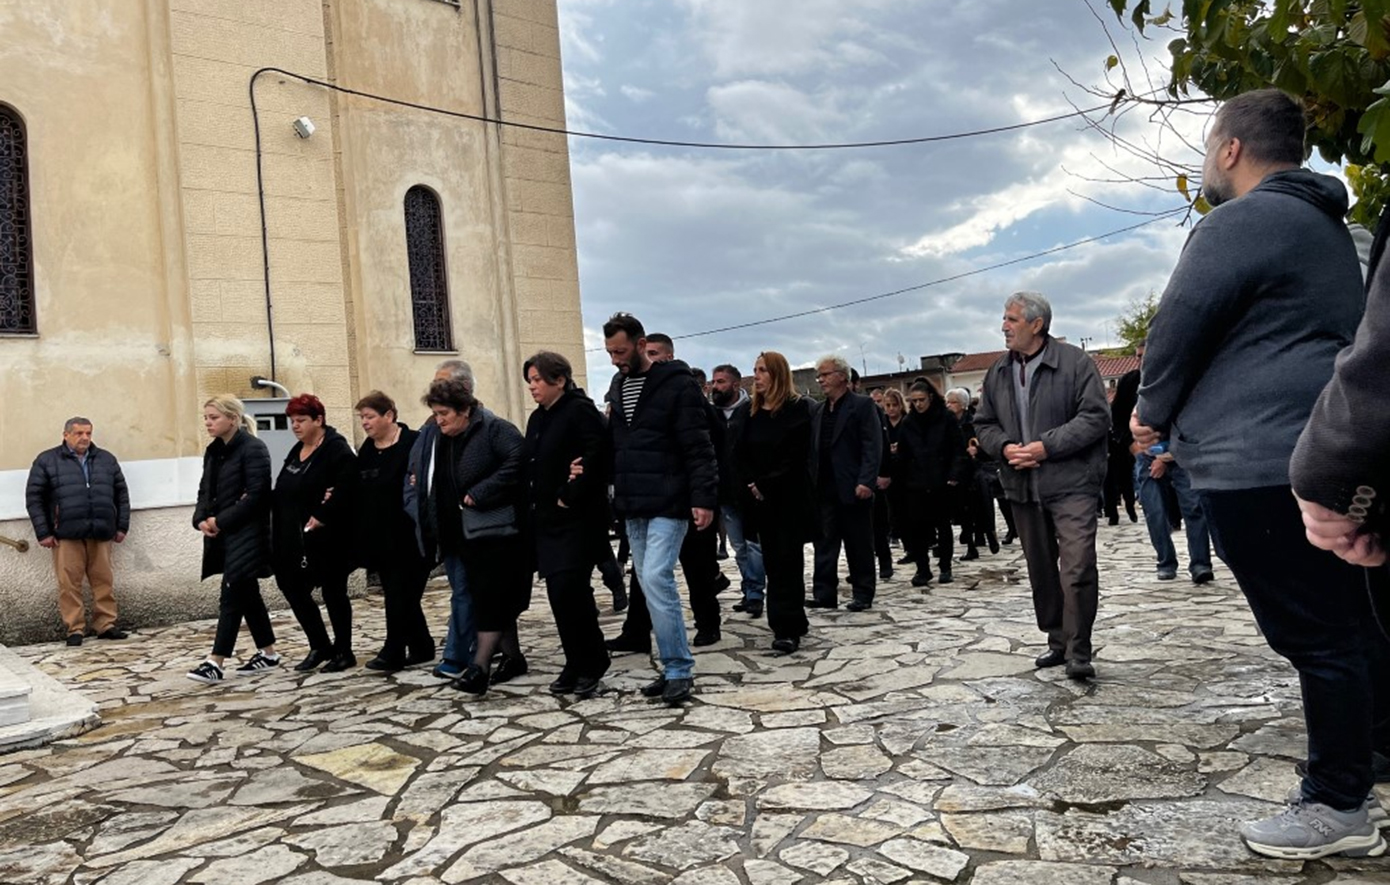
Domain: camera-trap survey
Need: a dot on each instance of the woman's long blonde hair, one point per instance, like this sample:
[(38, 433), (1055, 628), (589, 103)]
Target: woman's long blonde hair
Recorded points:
[(233, 408), (779, 387)]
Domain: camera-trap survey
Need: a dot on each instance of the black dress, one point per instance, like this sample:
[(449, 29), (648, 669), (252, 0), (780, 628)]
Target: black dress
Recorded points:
[(386, 544), (774, 454)]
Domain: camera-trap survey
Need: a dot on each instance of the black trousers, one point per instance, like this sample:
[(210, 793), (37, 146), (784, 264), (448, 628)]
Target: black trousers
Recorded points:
[(897, 514), (1119, 482), (298, 589), (929, 527), (241, 600), (403, 586), (852, 525), (700, 565), (882, 551), (1314, 610), (576, 618), (1059, 544), (784, 560)]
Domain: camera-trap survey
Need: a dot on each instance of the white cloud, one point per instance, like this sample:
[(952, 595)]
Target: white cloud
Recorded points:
[(636, 93)]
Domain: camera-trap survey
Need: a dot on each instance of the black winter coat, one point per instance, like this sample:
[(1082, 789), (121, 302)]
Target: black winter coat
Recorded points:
[(663, 459), (487, 464), (300, 491), (64, 504), (773, 452), (235, 489), (932, 450), (566, 537), (385, 531)]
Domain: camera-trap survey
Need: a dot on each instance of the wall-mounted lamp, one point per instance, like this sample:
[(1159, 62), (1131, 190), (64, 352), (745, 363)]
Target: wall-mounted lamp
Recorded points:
[(303, 127)]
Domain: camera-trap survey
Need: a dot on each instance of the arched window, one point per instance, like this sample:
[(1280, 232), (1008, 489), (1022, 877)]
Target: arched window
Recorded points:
[(429, 286), (16, 253)]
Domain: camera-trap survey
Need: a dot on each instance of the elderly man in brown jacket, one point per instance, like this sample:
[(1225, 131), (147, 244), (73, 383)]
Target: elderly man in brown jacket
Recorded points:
[(1043, 413)]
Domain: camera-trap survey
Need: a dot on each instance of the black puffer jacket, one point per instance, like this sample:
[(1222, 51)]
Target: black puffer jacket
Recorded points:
[(566, 537), (62, 502), (235, 489), (327, 549), (487, 463), (931, 449), (663, 460)]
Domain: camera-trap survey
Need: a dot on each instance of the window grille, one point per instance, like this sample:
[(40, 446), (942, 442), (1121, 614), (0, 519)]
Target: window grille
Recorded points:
[(16, 251), (429, 286)]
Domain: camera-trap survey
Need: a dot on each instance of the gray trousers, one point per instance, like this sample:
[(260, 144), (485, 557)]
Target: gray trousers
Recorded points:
[(1059, 543)]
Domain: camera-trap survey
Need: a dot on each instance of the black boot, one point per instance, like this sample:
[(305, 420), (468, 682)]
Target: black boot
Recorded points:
[(993, 540)]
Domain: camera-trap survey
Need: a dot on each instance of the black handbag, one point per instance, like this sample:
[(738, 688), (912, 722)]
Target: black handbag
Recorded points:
[(497, 522)]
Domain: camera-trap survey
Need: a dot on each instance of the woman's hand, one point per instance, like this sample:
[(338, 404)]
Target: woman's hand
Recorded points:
[(468, 501), (757, 495)]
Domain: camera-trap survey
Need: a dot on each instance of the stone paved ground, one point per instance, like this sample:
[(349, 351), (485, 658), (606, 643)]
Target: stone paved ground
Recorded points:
[(912, 743)]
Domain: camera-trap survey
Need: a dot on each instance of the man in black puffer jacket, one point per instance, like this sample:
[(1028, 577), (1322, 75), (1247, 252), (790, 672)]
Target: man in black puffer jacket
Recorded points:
[(664, 477), (78, 503)]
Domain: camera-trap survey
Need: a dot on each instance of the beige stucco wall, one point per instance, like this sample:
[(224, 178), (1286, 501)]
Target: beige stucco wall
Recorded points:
[(150, 290)]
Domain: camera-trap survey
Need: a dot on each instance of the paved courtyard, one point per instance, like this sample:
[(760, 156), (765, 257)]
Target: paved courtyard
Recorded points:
[(910, 743)]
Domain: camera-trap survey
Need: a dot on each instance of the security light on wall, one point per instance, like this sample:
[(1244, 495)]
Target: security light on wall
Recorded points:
[(303, 127)]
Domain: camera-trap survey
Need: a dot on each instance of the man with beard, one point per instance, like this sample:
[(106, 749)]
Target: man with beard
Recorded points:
[(731, 403), (1267, 291)]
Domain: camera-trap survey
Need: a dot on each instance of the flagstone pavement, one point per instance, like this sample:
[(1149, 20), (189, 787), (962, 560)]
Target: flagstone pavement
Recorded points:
[(910, 743)]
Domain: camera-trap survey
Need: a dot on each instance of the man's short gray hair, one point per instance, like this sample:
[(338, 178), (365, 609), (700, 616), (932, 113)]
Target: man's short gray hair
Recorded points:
[(458, 370), (960, 395), (75, 421), (1034, 306), (834, 359)]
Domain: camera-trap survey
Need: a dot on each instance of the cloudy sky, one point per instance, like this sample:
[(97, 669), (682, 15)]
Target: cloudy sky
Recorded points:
[(691, 240)]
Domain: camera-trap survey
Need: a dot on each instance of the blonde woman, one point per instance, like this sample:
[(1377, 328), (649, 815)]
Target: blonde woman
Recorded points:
[(773, 456), (233, 513)]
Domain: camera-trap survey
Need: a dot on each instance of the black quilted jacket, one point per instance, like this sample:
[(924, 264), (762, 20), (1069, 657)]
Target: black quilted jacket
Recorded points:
[(235, 489), (62, 503)]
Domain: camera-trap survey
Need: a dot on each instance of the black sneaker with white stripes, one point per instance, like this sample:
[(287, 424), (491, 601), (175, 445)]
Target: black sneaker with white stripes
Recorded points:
[(207, 672), (258, 664)]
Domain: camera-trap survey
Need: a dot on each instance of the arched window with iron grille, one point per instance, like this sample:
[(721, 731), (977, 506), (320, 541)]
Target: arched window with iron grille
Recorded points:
[(429, 285), (16, 250)]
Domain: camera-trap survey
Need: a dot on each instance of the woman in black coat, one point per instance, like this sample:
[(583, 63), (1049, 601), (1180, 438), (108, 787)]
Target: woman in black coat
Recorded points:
[(934, 462), (313, 525), (477, 483), (779, 509), (895, 411), (569, 516), (233, 513), (385, 541)]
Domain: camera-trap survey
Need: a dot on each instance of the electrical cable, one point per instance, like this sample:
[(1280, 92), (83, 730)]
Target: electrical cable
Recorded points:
[(920, 286), (704, 145)]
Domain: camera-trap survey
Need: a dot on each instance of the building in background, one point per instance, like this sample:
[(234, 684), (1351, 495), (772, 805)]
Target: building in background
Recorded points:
[(134, 259)]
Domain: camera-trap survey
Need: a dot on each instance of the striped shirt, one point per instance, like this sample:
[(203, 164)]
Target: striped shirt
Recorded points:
[(632, 392)]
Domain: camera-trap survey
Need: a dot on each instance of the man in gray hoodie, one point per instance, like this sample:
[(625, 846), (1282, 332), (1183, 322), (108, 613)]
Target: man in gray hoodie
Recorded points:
[(1267, 291)]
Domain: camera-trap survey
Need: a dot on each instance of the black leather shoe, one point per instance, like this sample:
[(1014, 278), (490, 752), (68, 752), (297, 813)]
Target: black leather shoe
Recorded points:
[(623, 644), (907, 559), (753, 609), (740, 605), (564, 683), (383, 664), (785, 646), (587, 687), (970, 553), (722, 583), (340, 662), (859, 605), (1080, 670), (706, 637), (312, 660), (1203, 577), (423, 656), (510, 668), (1053, 657), (677, 691), (993, 543), (472, 681), (885, 572), (654, 689), (112, 633), (74, 640), (944, 577), (922, 578), (1009, 538), (822, 603), (1114, 520)]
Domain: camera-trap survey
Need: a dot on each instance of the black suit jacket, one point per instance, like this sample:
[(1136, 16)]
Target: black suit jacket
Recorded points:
[(856, 444)]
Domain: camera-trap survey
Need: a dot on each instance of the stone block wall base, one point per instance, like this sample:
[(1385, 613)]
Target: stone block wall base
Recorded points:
[(53, 711)]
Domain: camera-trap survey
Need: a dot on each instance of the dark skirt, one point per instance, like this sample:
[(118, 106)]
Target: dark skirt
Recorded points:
[(499, 581)]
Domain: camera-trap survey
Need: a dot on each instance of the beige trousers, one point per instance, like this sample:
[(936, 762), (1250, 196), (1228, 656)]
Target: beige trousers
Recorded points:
[(74, 561)]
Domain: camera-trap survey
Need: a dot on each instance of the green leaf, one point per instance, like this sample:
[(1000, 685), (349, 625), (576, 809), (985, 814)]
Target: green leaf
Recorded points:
[(1182, 188), (1336, 73), (1141, 12), (1374, 126), (1111, 62), (1118, 6)]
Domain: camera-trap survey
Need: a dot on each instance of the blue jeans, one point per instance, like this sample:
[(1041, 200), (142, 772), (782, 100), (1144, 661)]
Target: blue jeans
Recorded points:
[(748, 554), (656, 545), (1150, 495), (459, 644)]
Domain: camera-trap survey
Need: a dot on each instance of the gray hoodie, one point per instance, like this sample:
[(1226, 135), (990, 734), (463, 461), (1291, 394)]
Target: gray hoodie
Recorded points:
[(1267, 291)]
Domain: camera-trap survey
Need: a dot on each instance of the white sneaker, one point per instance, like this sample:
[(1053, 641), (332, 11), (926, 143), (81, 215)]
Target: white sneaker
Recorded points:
[(207, 672), (1309, 830), (258, 664)]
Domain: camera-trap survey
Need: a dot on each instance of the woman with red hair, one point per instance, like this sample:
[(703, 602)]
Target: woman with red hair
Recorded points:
[(312, 528)]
